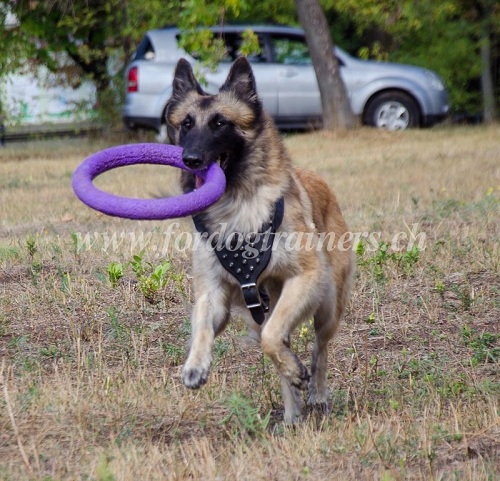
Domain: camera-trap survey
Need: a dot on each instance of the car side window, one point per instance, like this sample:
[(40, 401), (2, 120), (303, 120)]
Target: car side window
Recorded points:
[(233, 43), (290, 51)]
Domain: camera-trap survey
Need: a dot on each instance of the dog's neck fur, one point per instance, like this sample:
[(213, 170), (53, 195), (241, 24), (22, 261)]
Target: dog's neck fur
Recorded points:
[(247, 205)]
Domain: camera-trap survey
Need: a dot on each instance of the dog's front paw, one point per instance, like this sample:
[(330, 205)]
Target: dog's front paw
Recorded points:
[(194, 377)]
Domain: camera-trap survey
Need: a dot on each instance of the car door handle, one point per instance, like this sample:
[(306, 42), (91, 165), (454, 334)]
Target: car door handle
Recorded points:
[(288, 72)]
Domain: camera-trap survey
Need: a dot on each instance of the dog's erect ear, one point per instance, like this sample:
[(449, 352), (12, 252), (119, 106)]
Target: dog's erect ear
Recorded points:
[(242, 82), (184, 80)]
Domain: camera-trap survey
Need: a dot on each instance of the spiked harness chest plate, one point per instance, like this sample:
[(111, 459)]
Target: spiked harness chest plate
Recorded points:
[(246, 257)]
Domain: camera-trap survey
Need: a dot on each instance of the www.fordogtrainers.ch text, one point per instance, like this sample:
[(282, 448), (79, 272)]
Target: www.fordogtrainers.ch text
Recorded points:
[(174, 239)]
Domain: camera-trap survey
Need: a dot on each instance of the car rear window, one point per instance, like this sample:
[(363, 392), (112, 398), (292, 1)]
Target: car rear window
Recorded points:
[(145, 50)]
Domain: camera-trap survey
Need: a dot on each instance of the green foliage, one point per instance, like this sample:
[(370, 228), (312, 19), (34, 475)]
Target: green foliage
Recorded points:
[(484, 345), (31, 246), (430, 48), (151, 285), (51, 352), (250, 45), (175, 353), (245, 418), (99, 37), (137, 264), (8, 253), (441, 35), (379, 262), (201, 43), (375, 263), (115, 273), (35, 264), (306, 335), (151, 279), (118, 330), (103, 470), (221, 348), (407, 260), (440, 287), (203, 46)]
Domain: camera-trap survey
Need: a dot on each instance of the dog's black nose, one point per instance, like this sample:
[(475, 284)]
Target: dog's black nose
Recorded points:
[(192, 160)]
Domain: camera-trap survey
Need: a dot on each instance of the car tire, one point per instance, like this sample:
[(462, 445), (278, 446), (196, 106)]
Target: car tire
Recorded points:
[(392, 111)]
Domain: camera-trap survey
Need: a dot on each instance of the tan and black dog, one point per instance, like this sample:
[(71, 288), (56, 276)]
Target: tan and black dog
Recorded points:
[(305, 278)]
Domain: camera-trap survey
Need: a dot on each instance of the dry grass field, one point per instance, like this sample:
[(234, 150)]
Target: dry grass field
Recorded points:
[(94, 323)]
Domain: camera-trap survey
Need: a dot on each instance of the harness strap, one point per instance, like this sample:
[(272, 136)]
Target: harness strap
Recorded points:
[(245, 257)]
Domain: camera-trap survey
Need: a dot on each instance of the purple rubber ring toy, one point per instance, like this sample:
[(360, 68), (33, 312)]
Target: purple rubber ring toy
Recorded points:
[(214, 183)]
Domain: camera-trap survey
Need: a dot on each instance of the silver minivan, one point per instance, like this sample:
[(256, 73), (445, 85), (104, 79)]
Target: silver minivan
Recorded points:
[(387, 95)]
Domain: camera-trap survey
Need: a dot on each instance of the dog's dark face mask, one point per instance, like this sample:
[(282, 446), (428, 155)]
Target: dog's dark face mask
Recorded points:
[(214, 128)]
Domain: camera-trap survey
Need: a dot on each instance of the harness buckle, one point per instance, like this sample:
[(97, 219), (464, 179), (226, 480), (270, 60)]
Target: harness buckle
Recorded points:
[(251, 295)]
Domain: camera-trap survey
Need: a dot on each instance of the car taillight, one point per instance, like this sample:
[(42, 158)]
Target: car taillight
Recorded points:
[(133, 80)]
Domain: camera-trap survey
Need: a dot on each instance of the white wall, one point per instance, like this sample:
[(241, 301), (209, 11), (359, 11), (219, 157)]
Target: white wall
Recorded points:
[(34, 99)]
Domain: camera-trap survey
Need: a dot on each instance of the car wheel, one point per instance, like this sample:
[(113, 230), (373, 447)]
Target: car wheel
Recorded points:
[(392, 111)]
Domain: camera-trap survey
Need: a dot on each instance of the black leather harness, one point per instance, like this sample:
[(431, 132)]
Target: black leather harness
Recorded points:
[(246, 257)]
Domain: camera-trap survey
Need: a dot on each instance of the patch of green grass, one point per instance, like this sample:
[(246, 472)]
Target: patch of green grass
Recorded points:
[(8, 253), (175, 353), (221, 348), (244, 418), (379, 263), (4, 325), (484, 345), (118, 330), (103, 470), (51, 352)]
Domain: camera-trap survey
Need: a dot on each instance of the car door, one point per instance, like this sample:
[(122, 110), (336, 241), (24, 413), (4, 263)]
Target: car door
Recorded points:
[(298, 92), (263, 69)]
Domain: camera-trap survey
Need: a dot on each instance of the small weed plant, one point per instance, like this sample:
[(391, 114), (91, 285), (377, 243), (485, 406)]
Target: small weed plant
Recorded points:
[(378, 263), (244, 418), (151, 278), (485, 345)]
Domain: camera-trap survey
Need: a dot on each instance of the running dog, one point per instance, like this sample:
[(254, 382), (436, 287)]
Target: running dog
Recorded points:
[(297, 276)]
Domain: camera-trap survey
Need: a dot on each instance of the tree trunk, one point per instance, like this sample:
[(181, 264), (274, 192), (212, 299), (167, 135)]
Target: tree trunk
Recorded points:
[(337, 113), (488, 91)]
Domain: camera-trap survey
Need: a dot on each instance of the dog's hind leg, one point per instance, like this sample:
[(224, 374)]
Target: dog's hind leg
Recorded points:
[(326, 321), (210, 316), (286, 316)]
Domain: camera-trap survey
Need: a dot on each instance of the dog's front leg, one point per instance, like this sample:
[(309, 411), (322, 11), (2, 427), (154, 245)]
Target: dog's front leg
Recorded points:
[(210, 315)]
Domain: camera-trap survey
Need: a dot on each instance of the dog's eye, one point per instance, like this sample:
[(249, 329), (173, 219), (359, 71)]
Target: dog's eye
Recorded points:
[(187, 123), (219, 122)]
